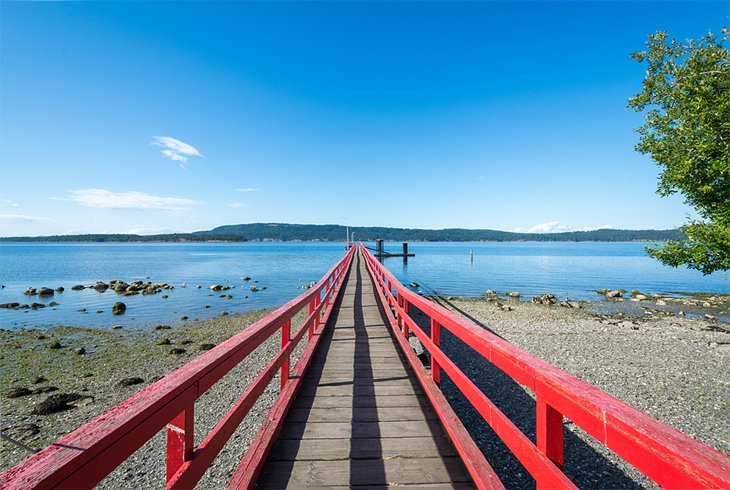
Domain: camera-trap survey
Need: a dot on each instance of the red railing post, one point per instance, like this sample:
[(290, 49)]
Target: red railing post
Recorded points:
[(406, 331), (549, 424), (285, 339), (436, 339), (180, 441), (317, 301), (400, 315), (310, 331)]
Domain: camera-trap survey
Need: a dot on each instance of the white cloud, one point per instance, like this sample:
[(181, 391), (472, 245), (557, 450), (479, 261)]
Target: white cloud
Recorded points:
[(237, 204), (8, 202), (556, 227), (176, 150), (247, 189), (105, 199), (21, 218)]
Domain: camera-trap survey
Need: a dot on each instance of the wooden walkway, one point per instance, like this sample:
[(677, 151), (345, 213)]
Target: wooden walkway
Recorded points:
[(360, 418)]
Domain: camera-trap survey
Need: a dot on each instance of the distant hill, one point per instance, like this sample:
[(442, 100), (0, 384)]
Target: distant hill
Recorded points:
[(336, 233), (290, 232)]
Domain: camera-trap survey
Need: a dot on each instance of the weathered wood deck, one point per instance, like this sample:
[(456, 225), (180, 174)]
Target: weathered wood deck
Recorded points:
[(360, 418)]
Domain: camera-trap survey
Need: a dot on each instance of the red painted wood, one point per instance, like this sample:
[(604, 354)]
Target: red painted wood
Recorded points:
[(285, 339), (436, 339), (667, 456), (74, 460), (180, 441), (549, 425)]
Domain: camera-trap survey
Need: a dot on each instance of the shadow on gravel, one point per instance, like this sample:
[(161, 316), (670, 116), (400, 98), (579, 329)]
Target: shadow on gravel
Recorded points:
[(586, 467)]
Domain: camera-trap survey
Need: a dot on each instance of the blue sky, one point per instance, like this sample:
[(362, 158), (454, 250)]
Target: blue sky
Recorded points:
[(160, 117)]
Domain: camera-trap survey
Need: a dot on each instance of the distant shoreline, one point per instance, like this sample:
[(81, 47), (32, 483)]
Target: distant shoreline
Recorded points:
[(284, 232)]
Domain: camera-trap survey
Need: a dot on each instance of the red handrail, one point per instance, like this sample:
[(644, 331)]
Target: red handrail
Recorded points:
[(670, 458), (84, 457)]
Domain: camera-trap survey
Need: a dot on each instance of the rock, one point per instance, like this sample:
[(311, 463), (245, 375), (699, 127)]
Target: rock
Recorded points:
[(10, 306), (254, 288), (99, 311), (117, 327), (506, 308), (490, 293), (224, 313), (46, 292), (164, 342), (30, 292), (78, 287), (82, 310), (710, 317), (60, 289), (41, 337), (206, 346), (164, 296), (661, 303), (217, 287), (613, 293), (183, 318), (119, 308), (226, 296), (415, 285), (178, 350), (641, 297), (416, 345), (56, 403), (130, 381), (36, 306), (206, 306), (45, 389), (81, 351), (162, 327), (186, 342), (18, 392), (602, 291), (39, 380), (100, 287), (681, 313), (706, 305), (55, 345), (545, 299), (513, 294)]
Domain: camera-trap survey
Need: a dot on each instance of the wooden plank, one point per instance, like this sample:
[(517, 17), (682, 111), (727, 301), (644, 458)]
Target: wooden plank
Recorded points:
[(410, 400), (378, 390), (383, 448), (360, 414), (297, 474), (356, 430)]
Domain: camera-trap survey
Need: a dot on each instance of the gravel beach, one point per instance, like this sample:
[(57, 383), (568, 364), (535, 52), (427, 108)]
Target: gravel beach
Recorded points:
[(673, 368)]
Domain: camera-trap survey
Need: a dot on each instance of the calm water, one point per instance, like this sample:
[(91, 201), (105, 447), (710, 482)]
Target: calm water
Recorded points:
[(570, 270)]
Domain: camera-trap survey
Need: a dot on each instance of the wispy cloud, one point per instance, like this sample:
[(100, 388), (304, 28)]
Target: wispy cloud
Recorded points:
[(8, 202), (21, 218), (175, 150), (247, 189), (237, 205), (556, 227), (105, 199)]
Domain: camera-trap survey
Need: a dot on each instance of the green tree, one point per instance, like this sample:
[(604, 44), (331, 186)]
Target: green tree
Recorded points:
[(686, 103)]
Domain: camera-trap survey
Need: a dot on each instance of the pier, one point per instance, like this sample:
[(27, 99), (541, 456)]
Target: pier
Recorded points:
[(360, 408)]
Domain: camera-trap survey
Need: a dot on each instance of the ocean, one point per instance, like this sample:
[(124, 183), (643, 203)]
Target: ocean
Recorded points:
[(569, 270)]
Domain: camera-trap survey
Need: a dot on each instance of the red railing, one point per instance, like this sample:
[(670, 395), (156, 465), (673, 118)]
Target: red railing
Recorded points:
[(670, 458), (84, 457)]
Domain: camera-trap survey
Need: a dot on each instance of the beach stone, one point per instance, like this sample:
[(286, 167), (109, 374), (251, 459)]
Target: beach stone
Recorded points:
[(56, 403), (18, 392), (186, 342), (216, 287), (641, 297), (706, 305), (177, 350), (39, 379), (415, 285), (45, 389), (81, 351), (164, 296), (710, 317), (198, 286), (416, 345), (513, 294), (224, 313), (36, 306), (613, 293), (162, 327), (254, 288), (246, 278), (119, 308), (55, 345), (117, 327), (545, 299), (661, 303), (10, 306), (78, 287), (42, 337), (164, 342), (206, 346), (100, 287), (46, 292), (130, 381), (183, 318), (30, 291), (60, 289)]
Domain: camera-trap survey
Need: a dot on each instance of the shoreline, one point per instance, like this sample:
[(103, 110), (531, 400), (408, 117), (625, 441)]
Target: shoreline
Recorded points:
[(623, 355)]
